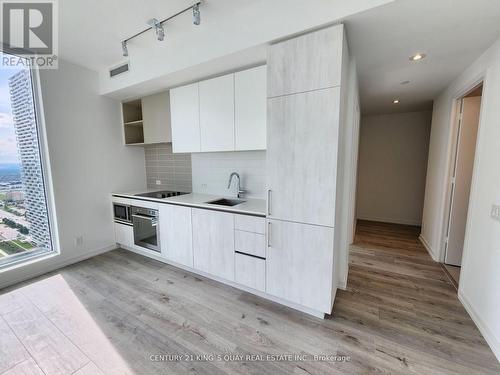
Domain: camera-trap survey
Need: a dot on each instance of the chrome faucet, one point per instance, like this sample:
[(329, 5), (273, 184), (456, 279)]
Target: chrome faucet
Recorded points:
[(234, 174)]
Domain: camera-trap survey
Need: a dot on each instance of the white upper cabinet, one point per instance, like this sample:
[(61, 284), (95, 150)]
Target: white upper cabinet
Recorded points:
[(217, 114), (156, 118), (250, 109), (226, 113), (308, 62), (302, 156), (185, 115)]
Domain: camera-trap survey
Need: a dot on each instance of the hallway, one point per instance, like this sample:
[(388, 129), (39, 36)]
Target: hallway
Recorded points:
[(405, 307)]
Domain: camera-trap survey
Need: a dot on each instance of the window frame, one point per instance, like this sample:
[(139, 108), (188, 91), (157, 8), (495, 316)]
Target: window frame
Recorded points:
[(22, 259)]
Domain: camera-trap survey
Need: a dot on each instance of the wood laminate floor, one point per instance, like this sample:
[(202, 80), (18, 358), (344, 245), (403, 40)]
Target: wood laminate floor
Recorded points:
[(453, 273), (113, 314)]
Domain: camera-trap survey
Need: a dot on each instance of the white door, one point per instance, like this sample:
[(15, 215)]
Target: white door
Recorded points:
[(299, 264), (302, 156), (464, 164), (185, 118), (156, 116), (217, 114), (176, 234), (213, 242), (250, 104)]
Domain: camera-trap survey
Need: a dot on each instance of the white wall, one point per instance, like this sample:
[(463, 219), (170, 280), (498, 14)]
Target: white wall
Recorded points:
[(480, 276), (211, 172), (393, 155), (345, 205), (88, 161)]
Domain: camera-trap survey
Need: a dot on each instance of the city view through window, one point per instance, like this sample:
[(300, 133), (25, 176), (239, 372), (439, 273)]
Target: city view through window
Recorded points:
[(24, 224)]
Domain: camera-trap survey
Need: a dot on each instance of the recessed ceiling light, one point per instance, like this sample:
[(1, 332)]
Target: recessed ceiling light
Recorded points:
[(404, 82), (417, 57), (395, 101)]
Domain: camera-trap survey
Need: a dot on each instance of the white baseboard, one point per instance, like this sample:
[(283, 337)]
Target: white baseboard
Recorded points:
[(428, 248), (390, 220), (343, 284), (489, 336), (56, 265)]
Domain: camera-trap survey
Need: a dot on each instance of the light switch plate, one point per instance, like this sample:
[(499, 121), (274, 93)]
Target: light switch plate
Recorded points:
[(495, 212)]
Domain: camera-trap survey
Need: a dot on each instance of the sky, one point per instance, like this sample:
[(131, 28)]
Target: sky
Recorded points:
[(8, 145)]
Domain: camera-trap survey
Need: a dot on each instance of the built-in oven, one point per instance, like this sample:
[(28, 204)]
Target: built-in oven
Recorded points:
[(122, 213), (146, 228)]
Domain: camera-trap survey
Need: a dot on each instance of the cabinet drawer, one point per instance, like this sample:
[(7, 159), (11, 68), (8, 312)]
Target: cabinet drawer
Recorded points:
[(250, 223), (250, 243), (250, 271)]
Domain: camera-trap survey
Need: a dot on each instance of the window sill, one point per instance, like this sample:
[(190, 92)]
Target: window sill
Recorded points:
[(9, 266)]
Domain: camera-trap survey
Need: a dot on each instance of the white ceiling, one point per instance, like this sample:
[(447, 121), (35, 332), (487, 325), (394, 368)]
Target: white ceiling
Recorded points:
[(234, 33), (453, 33), (91, 30)]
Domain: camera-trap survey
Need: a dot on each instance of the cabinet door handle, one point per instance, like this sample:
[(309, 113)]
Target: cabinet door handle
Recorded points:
[(268, 234), (269, 202)]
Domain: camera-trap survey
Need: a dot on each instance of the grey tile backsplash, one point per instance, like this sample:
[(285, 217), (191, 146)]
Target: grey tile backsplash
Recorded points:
[(206, 173), (172, 170)]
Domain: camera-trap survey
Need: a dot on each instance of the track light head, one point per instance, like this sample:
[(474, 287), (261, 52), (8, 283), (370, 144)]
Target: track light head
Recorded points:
[(196, 14), (124, 48), (158, 28)]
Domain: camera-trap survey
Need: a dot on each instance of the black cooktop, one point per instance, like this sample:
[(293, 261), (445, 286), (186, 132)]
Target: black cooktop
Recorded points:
[(161, 194)]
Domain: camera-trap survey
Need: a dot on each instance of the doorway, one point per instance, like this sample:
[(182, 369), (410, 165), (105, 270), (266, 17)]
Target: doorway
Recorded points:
[(463, 165)]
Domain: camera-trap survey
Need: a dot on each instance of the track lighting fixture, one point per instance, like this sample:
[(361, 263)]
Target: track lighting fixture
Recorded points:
[(196, 14), (124, 48), (158, 28)]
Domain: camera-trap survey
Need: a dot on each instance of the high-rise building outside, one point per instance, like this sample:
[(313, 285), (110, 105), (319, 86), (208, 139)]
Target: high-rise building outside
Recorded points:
[(23, 113)]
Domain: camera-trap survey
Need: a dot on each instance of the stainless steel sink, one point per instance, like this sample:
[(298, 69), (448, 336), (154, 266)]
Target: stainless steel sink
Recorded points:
[(226, 202)]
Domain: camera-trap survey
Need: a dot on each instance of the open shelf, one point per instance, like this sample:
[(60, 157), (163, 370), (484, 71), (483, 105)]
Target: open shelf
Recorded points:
[(133, 122), (135, 144), (138, 123)]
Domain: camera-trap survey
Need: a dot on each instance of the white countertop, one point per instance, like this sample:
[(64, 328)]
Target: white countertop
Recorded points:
[(250, 206)]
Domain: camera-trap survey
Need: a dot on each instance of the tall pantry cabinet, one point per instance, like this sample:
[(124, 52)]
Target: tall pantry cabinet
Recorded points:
[(305, 79)]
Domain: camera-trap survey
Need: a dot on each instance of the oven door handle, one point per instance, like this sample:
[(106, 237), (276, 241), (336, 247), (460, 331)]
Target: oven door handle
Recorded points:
[(150, 218)]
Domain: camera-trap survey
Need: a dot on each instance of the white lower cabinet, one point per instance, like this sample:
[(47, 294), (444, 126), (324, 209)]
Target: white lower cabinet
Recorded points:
[(176, 234), (124, 234), (213, 242), (291, 261), (299, 264), (250, 271)]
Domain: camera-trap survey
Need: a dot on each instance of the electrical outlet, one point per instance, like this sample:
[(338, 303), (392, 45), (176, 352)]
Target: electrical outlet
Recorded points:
[(204, 186), (158, 182), (79, 241), (495, 212)]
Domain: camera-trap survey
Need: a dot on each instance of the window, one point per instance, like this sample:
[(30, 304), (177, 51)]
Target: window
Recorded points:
[(25, 229)]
